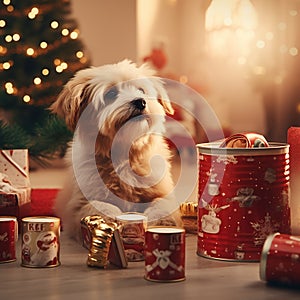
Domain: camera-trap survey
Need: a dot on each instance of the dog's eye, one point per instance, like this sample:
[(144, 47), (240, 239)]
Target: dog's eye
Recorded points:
[(141, 90), (111, 94)]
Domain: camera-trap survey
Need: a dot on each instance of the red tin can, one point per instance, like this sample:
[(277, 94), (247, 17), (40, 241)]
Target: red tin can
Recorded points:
[(40, 242), (165, 254), (280, 260), (8, 238), (132, 229), (243, 196)]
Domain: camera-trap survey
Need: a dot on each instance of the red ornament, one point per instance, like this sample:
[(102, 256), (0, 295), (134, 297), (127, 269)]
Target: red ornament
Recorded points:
[(157, 57)]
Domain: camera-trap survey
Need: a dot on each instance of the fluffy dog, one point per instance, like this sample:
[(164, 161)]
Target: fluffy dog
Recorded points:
[(120, 159)]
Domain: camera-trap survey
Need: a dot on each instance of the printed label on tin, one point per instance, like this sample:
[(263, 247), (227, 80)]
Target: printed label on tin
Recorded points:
[(40, 244)]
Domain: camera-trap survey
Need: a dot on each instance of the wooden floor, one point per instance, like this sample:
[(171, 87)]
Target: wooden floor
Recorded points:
[(73, 279)]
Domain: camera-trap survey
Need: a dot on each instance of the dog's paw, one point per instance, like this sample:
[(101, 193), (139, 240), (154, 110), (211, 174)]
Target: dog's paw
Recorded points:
[(161, 214), (106, 210), (166, 221)]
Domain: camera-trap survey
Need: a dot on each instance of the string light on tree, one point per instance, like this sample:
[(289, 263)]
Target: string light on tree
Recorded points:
[(26, 99), (33, 13), (43, 45), (40, 51), (30, 51), (54, 24)]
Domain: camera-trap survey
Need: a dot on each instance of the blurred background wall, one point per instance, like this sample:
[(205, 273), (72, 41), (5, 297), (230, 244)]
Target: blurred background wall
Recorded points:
[(242, 57)]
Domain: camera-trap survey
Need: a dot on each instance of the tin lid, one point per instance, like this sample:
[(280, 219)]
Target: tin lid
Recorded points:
[(264, 256), (40, 219), (131, 217), (165, 229), (215, 149), (7, 218)]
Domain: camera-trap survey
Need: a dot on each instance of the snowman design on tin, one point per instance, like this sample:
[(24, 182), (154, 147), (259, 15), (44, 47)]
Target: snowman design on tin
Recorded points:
[(213, 187), (210, 223), (47, 252)]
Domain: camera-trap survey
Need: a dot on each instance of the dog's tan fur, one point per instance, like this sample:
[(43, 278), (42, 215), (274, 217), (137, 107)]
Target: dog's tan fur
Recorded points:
[(79, 92)]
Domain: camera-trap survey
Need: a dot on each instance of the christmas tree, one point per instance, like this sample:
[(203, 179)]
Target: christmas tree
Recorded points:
[(40, 51)]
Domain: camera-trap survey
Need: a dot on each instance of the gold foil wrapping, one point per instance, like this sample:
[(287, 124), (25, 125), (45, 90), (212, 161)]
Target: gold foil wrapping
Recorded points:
[(101, 238)]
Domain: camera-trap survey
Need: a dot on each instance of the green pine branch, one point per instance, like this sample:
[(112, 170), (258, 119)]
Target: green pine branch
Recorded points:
[(13, 137), (48, 140), (51, 139)]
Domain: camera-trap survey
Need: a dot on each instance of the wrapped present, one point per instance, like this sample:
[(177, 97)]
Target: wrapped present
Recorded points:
[(14, 181), (15, 165), (188, 212)]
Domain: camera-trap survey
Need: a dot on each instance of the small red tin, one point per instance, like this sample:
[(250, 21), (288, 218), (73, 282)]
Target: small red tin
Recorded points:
[(165, 254), (280, 260), (132, 229), (40, 242), (8, 238), (243, 196)]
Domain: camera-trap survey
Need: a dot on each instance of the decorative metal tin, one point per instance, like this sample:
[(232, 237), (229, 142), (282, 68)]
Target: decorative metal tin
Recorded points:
[(165, 254), (280, 260), (243, 196), (40, 242), (132, 228), (8, 238)]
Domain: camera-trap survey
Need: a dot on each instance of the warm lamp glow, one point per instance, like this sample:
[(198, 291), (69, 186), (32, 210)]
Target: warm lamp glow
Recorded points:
[(230, 13), (230, 25)]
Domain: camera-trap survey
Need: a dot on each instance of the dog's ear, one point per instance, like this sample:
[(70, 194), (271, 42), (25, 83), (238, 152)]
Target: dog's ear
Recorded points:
[(163, 97), (72, 100)]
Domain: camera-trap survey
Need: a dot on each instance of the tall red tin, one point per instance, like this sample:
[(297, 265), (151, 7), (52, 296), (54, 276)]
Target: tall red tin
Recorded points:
[(280, 260), (243, 196)]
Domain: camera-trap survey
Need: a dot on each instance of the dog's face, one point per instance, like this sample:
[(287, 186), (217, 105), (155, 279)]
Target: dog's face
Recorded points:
[(118, 94)]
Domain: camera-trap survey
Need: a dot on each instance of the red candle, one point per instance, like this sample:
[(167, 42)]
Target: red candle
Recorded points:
[(293, 140)]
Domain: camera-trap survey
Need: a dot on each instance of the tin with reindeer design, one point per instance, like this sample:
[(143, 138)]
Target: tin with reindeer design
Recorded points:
[(243, 196)]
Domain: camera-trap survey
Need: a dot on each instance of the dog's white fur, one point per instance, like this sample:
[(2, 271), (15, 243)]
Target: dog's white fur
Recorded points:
[(122, 141)]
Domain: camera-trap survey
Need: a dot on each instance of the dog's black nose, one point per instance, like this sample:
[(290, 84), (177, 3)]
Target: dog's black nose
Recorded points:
[(139, 103)]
